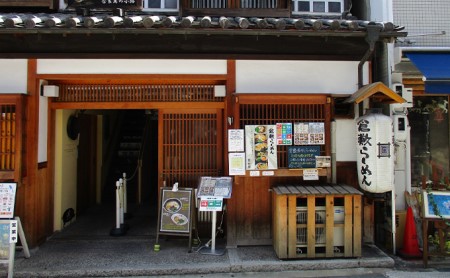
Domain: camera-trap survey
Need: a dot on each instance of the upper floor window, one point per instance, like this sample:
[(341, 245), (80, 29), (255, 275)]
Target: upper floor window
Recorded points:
[(161, 5), (316, 6)]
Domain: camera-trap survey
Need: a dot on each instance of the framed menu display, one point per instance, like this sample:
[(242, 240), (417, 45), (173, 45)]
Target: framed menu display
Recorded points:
[(175, 214), (176, 209)]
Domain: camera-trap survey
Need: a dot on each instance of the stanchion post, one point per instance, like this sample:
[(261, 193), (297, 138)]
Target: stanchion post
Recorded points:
[(121, 201), (118, 230), (125, 200)]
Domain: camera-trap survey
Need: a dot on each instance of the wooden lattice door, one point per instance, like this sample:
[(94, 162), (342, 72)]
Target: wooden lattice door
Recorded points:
[(190, 146)]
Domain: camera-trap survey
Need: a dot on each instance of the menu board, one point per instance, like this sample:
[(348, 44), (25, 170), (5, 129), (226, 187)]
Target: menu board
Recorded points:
[(175, 210), (8, 198), (215, 187), (309, 133), (302, 156)]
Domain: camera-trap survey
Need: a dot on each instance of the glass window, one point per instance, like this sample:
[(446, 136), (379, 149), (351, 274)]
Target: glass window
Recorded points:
[(303, 6), (161, 5), (316, 6), (334, 7), (429, 139)]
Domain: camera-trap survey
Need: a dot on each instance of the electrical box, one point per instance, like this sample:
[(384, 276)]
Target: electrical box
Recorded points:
[(400, 128), (50, 91), (405, 93)]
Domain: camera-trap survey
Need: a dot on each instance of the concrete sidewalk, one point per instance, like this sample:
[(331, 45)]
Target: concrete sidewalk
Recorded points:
[(85, 249), (135, 257)]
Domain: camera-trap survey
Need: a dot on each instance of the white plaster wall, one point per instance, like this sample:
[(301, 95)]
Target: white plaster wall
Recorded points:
[(381, 10), (308, 77), (66, 153), (13, 76), (345, 140), (130, 66)]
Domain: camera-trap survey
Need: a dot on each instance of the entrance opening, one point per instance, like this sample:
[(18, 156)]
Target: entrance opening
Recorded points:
[(155, 146), (120, 141)]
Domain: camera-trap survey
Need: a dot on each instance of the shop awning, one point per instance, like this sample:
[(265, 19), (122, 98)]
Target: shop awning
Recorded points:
[(378, 91), (436, 69)]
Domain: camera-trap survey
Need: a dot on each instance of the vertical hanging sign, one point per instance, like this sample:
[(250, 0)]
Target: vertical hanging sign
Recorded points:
[(375, 160)]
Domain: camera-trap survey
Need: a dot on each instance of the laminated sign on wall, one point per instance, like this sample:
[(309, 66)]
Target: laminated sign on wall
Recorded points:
[(260, 147), (375, 159)]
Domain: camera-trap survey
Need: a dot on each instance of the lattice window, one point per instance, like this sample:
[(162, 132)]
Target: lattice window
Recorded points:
[(11, 137), (7, 137), (137, 93), (190, 148), (270, 114)]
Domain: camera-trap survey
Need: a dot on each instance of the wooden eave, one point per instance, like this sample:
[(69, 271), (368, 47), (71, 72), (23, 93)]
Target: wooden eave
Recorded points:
[(377, 91), (175, 39)]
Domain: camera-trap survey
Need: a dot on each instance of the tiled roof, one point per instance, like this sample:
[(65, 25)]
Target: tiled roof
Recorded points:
[(164, 36), (143, 22)]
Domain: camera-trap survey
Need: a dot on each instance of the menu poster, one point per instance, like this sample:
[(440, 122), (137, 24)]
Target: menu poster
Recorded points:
[(302, 156), (316, 133), (236, 140), (309, 134), (8, 198), (284, 133), (215, 187), (301, 132), (260, 147), (176, 210)]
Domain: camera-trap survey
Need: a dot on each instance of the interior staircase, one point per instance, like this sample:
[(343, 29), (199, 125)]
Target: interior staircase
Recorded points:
[(126, 154)]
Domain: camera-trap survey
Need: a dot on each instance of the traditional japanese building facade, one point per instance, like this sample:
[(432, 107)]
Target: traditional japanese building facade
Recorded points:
[(196, 72)]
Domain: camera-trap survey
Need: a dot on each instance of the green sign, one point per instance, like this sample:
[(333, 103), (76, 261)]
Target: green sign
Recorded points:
[(302, 156)]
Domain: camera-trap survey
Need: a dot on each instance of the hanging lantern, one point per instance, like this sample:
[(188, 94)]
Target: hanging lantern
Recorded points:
[(375, 152)]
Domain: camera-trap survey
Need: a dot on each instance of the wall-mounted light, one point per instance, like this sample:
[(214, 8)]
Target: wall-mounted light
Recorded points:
[(230, 120), (50, 91), (220, 91)]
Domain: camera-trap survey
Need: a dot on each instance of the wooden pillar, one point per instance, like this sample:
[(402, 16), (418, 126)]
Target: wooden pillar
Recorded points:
[(29, 186)]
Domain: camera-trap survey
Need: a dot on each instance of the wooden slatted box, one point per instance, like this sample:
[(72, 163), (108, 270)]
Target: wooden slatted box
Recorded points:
[(316, 221)]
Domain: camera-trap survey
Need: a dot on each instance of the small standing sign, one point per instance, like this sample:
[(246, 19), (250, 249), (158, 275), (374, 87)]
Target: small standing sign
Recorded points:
[(175, 213), (212, 191), (10, 227)]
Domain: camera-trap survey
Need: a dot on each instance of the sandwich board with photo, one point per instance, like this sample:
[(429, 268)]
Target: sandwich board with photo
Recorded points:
[(175, 213), (10, 227)]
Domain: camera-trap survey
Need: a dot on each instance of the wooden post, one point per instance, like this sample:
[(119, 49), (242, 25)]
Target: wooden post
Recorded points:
[(329, 225), (311, 231), (292, 226)]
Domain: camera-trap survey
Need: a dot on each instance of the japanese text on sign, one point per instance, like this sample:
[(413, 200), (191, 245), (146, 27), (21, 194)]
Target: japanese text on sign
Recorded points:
[(302, 156), (364, 141)]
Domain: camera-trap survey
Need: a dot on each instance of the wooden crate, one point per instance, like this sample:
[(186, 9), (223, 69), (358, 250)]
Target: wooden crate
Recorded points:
[(305, 226)]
